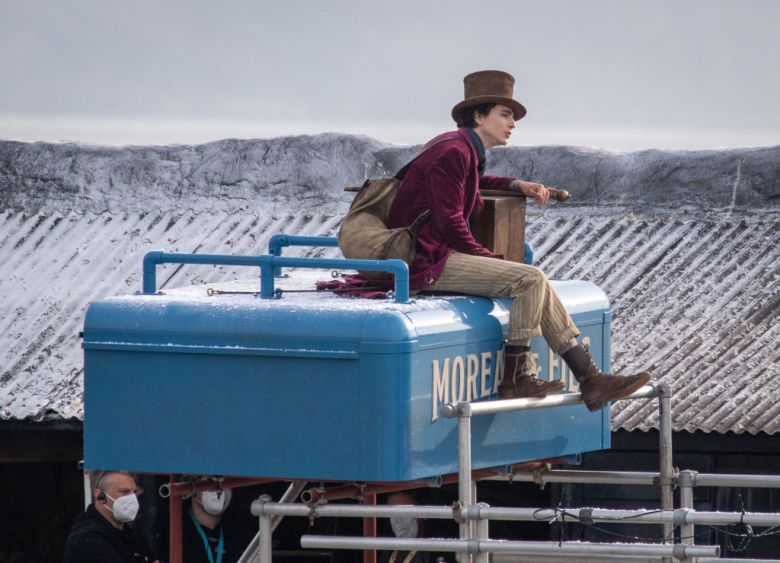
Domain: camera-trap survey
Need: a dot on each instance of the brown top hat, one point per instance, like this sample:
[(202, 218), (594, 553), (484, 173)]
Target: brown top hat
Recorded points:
[(489, 87)]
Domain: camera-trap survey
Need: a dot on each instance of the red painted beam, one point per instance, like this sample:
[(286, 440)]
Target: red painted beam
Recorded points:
[(369, 530), (175, 529)]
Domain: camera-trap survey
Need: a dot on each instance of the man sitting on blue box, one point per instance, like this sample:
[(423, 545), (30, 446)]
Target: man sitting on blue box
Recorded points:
[(445, 179)]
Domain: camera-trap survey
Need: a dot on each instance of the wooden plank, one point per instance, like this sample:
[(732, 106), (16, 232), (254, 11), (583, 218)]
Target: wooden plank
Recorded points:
[(501, 226)]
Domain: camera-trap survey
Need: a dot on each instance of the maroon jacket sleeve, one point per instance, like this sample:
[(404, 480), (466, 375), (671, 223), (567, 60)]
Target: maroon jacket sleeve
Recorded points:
[(445, 179), (500, 183)]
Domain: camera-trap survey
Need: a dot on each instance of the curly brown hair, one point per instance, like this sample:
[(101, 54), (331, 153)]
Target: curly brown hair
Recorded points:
[(466, 117)]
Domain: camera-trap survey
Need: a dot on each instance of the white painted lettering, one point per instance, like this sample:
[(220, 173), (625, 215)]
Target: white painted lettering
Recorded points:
[(458, 380), (441, 386), (498, 376), (484, 390), (552, 358), (535, 356), (472, 372)]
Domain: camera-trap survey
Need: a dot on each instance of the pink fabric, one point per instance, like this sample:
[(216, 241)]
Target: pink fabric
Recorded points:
[(445, 180), (356, 286)]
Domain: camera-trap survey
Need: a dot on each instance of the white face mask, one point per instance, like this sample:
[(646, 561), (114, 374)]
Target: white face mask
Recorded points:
[(125, 508), (404, 527), (216, 502)]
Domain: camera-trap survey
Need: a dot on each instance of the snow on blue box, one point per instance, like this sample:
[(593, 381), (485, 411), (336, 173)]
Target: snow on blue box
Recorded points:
[(316, 386)]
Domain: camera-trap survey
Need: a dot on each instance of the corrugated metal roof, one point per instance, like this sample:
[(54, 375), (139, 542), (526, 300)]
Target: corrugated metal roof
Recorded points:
[(695, 299), (55, 264), (695, 294)]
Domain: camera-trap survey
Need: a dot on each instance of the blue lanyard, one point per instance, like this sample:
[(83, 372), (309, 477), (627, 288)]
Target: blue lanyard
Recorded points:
[(206, 544)]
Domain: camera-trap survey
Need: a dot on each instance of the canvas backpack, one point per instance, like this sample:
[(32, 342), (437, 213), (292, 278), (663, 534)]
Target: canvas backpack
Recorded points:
[(364, 233)]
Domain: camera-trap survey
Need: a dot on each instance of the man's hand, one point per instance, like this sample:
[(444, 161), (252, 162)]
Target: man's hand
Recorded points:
[(538, 192)]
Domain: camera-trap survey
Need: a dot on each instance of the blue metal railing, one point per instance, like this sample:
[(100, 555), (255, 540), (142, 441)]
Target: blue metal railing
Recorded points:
[(281, 240), (267, 264), (528, 255)]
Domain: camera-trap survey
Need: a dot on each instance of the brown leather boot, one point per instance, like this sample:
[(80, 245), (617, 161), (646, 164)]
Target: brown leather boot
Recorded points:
[(520, 375), (596, 387)]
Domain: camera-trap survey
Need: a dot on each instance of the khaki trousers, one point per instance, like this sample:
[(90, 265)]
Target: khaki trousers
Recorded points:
[(536, 308)]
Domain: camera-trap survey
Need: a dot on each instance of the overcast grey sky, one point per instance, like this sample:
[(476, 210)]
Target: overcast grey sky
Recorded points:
[(612, 73)]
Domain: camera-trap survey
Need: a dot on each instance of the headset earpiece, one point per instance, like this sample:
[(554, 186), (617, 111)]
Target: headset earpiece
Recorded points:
[(102, 494)]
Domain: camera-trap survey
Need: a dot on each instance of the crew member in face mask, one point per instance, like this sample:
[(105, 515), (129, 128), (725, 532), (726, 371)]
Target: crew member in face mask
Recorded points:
[(205, 537), (103, 533)]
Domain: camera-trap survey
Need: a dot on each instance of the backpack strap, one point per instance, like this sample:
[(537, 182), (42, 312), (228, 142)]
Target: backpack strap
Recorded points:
[(402, 172)]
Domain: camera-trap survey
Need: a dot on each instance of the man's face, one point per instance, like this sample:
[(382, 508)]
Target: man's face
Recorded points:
[(114, 486), (495, 128), (118, 485)]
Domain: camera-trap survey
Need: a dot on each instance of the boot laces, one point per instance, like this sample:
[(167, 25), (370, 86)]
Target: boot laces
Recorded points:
[(525, 367)]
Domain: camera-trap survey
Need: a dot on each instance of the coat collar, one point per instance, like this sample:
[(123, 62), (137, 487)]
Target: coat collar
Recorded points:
[(479, 148)]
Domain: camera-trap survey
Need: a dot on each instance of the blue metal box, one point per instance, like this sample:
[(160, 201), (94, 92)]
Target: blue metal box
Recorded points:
[(316, 386)]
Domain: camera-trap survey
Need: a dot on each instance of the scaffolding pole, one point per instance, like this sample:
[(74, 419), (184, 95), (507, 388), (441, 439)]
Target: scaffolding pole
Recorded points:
[(680, 516), (253, 549), (474, 543), (465, 411), (477, 547)]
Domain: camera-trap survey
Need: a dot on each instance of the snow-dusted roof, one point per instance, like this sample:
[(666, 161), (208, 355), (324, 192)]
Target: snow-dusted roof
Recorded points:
[(695, 299), (692, 266)]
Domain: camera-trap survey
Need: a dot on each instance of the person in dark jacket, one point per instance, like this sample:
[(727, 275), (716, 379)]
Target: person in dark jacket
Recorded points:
[(102, 533), (445, 180), (205, 537)]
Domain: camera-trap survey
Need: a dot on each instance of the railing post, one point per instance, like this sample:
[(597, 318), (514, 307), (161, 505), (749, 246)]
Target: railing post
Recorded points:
[(482, 532), (150, 271), (266, 277), (265, 532), (687, 481), (667, 479), (281, 240), (465, 486), (289, 496)]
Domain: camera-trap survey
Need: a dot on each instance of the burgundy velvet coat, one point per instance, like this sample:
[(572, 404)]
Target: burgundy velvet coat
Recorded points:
[(445, 180)]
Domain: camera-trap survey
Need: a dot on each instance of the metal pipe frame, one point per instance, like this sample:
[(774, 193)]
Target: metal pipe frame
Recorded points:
[(484, 512), (450, 410), (482, 534), (668, 479), (480, 514), (264, 535), (735, 560), (716, 480), (267, 264), (317, 494), (686, 503), (253, 549), (476, 547), (678, 517), (464, 412), (639, 478), (582, 476), (464, 477), (281, 240)]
